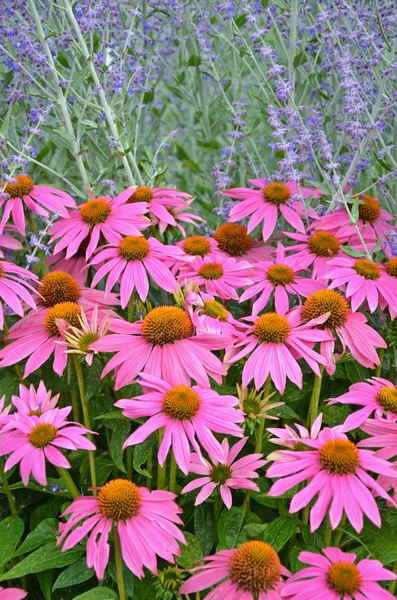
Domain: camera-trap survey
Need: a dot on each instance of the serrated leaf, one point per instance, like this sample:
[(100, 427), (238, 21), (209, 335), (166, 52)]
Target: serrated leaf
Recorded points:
[(11, 530), (77, 573), (98, 593), (45, 532), (204, 527), (191, 553), (279, 531), (47, 557), (231, 527)]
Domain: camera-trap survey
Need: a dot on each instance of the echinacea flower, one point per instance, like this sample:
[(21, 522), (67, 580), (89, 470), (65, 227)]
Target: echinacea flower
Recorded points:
[(365, 281), (226, 474), (264, 204), (4, 412), (219, 277), (250, 572), (288, 438), (351, 329), (12, 594), (163, 344), (233, 240), (336, 575), (375, 395), (196, 245), (21, 193), (185, 413), (179, 214), (383, 435), (129, 262), (282, 279), (31, 402), (75, 265), (109, 217), (14, 287), (8, 243), (211, 316), (337, 470), (316, 249), (146, 523), (274, 343), (78, 339), (33, 440), (255, 405)]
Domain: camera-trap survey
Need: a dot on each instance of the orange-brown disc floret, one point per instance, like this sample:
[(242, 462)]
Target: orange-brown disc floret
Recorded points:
[(211, 271), (233, 239), (255, 567), (95, 211), (181, 403), (42, 435), (276, 193), (166, 324), (22, 187), (68, 311), (324, 243), (387, 398), (280, 274), (119, 499), (339, 457), (272, 328), (344, 578), (324, 301), (141, 194), (197, 245), (134, 247), (367, 269), (216, 310), (58, 286), (368, 209)]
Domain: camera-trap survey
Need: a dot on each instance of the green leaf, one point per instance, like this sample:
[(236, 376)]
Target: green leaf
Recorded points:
[(47, 557), (279, 531), (194, 61), (191, 553), (115, 414), (141, 453), (9, 385), (128, 576), (381, 543), (11, 530), (45, 580), (98, 593), (241, 20), (103, 466), (356, 372), (231, 527), (119, 435), (204, 527), (353, 251), (77, 573), (45, 532), (300, 59)]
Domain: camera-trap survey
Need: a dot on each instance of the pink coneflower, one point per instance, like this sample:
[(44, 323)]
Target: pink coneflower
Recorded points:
[(109, 217), (287, 437), (219, 277), (365, 281), (31, 440), (146, 524), (233, 240), (12, 594), (75, 265), (185, 413), (31, 402), (8, 243), (78, 339), (23, 194), (337, 576), (210, 316), (179, 215), (4, 412), (263, 204), (14, 287), (317, 249), (163, 344), (227, 474), (128, 263), (350, 328), (196, 245), (337, 469), (383, 436), (374, 395), (275, 342), (281, 278), (251, 572)]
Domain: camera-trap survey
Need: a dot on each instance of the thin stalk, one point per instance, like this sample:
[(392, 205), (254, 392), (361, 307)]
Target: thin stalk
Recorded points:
[(392, 584), (70, 484), (86, 417), (340, 531), (379, 367), (119, 565), (292, 46), (129, 462), (149, 480), (75, 405), (327, 534), (6, 487), (131, 305), (161, 471), (315, 399), (261, 428), (173, 472)]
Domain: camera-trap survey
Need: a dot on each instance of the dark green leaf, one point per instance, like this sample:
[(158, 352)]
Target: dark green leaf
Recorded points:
[(300, 59), (98, 593), (45, 532), (45, 580), (204, 527), (191, 553), (279, 531), (141, 453), (11, 530), (47, 557), (231, 527), (194, 61), (118, 437), (77, 573)]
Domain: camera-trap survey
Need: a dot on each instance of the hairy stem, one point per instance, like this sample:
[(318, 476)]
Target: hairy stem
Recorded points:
[(119, 565), (70, 484), (86, 417)]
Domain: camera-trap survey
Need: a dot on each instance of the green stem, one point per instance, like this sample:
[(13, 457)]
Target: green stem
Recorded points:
[(119, 565), (86, 417), (340, 531), (379, 367), (129, 462), (392, 584), (161, 471), (315, 399), (305, 515), (173, 472), (70, 484), (261, 428), (149, 480), (328, 534), (75, 405), (7, 490), (31, 222), (131, 305)]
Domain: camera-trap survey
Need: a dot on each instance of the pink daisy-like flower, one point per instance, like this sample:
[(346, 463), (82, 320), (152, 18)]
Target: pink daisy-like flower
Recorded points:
[(337, 470), (375, 395), (275, 342), (109, 217), (287, 437), (227, 474), (351, 329), (282, 279), (14, 287), (263, 204), (234, 241), (163, 344), (8, 243), (31, 440), (31, 402), (210, 316), (251, 572), (316, 249), (75, 265), (365, 281), (179, 215), (4, 412), (146, 524), (78, 339), (383, 436), (336, 576), (219, 277), (12, 594), (185, 413), (196, 245), (128, 263), (21, 193)]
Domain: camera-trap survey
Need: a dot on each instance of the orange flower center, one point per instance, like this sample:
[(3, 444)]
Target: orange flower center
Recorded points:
[(369, 210), (387, 398), (23, 186), (255, 567), (119, 499), (35, 413), (57, 287), (181, 403), (323, 243), (211, 271), (95, 211), (220, 474), (367, 268), (216, 310), (166, 324), (339, 457), (1, 270), (276, 193), (280, 274), (197, 245), (233, 239), (324, 301), (141, 194), (391, 267), (272, 328), (68, 311), (134, 247), (344, 578), (42, 435)]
